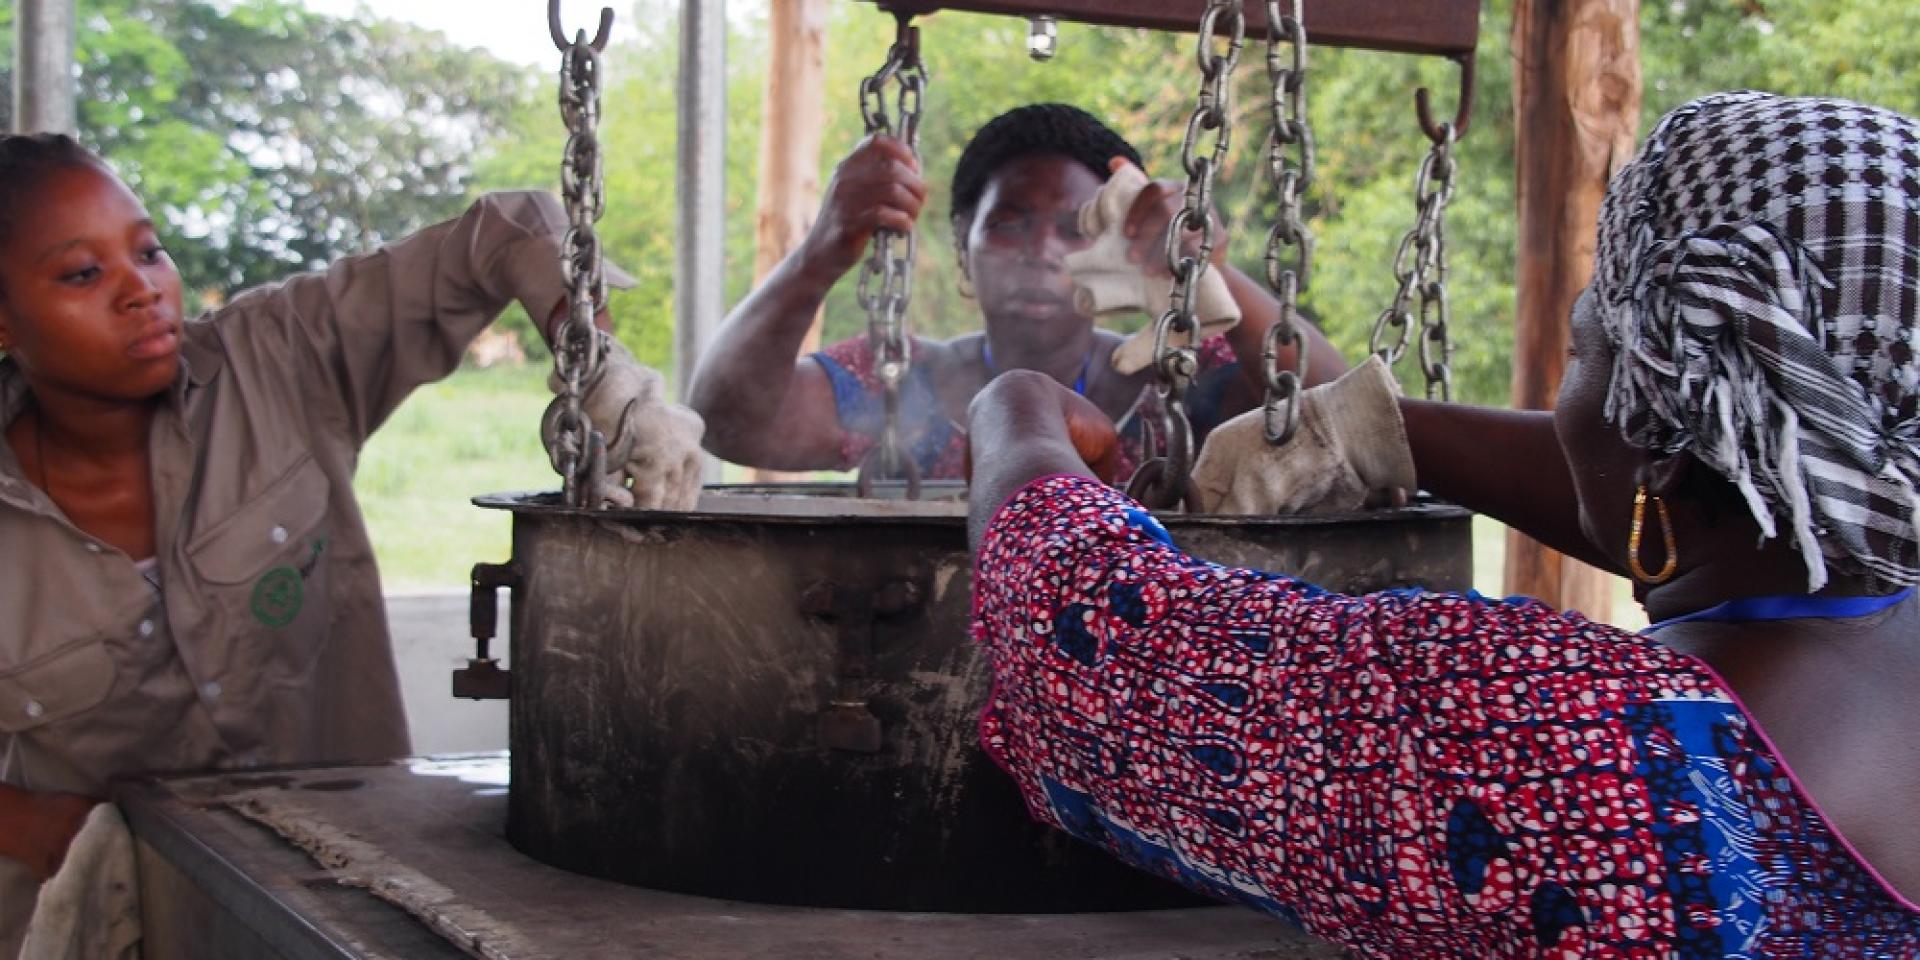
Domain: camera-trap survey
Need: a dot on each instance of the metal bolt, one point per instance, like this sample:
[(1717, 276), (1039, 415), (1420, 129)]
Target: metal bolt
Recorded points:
[(897, 597), (817, 601)]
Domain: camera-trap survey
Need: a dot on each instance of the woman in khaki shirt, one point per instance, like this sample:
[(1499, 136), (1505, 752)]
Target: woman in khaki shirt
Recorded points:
[(185, 578)]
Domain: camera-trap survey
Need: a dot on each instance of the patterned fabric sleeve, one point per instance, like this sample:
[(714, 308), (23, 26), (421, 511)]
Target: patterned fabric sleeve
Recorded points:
[(1409, 774), (937, 444)]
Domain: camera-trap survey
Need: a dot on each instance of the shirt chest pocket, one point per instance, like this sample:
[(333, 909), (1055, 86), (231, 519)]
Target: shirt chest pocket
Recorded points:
[(69, 681), (263, 565)]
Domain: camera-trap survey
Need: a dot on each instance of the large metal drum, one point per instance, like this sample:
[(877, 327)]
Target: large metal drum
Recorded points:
[(775, 699)]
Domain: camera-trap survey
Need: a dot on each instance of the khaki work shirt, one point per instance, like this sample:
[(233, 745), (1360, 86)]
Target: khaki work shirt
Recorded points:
[(267, 640)]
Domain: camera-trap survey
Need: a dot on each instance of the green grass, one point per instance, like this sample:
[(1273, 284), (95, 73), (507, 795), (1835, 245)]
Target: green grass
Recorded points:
[(478, 432)]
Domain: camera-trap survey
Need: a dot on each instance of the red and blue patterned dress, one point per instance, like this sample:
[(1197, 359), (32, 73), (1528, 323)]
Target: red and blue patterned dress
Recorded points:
[(939, 445), (1414, 775)]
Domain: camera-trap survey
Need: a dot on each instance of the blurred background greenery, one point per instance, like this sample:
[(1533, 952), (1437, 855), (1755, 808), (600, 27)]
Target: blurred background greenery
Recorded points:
[(269, 138)]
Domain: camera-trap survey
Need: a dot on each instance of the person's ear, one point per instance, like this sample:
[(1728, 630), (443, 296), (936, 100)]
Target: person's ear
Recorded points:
[(1668, 477)]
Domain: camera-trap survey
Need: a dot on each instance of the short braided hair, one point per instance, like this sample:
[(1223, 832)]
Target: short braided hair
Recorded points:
[(1040, 128), (25, 160)]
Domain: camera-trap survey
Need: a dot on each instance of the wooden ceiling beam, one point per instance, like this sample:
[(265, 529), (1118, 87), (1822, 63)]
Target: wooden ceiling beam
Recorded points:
[(1448, 28)]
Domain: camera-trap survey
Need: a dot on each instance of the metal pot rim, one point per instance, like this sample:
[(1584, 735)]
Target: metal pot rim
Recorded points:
[(947, 497)]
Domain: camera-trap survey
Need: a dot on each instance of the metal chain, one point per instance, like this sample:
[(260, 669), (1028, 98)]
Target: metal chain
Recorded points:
[(578, 450), (886, 281), (1420, 269), (1291, 176), (1163, 480)]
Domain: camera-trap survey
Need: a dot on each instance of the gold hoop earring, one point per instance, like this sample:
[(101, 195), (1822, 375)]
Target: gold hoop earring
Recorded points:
[(1633, 539), (964, 284)]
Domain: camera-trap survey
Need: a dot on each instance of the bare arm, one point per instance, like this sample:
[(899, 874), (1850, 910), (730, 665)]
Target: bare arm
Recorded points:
[(1259, 310), (1506, 464), (764, 405)]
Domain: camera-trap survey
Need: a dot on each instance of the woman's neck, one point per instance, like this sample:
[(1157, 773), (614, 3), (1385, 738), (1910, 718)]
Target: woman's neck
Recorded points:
[(1067, 361), (1772, 571), (70, 426)]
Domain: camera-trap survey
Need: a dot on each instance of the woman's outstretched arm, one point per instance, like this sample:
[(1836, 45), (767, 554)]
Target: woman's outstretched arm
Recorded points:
[(1506, 464)]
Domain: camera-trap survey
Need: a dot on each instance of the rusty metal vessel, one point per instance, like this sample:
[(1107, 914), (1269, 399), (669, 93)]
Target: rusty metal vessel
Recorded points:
[(774, 698)]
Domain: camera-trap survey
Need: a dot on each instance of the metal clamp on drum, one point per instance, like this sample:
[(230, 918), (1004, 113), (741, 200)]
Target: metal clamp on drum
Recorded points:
[(848, 722), (482, 678)]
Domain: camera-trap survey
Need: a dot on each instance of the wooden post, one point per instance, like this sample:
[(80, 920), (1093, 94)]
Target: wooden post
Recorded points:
[(795, 111), (1576, 96)]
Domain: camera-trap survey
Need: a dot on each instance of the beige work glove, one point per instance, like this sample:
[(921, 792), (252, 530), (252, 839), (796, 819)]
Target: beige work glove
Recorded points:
[(653, 445), (90, 910), (1350, 445), (1107, 284)]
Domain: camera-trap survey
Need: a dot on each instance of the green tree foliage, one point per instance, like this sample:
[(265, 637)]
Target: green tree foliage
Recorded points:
[(637, 138), (1866, 50), (1361, 107), (270, 139)]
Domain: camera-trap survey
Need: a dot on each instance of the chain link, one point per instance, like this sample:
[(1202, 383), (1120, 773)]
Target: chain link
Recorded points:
[(886, 280), (578, 450), (1162, 481), (1420, 270), (1290, 167)]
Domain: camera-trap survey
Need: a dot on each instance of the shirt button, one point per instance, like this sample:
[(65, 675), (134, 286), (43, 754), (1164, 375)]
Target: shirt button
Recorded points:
[(210, 690), (34, 709), (279, 535), (146, 628), (93, 548)]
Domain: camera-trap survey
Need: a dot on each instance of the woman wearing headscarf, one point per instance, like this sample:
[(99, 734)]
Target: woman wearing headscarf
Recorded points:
[(1417, 774)]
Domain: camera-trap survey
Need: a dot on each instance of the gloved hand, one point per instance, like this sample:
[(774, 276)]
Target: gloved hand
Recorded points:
[(1109, 284), (1350, 446), (90, 909), (653, 445)]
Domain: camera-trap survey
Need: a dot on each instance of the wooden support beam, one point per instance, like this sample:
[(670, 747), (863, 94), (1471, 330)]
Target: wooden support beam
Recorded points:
[(793, 115), (1576, 99), (1444, 27)]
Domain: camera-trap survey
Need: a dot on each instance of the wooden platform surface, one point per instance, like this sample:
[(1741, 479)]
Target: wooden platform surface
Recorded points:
[(220, 877)]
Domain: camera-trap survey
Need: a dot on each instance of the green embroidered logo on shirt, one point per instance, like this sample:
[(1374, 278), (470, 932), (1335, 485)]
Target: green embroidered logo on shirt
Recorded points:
[(277, 597)]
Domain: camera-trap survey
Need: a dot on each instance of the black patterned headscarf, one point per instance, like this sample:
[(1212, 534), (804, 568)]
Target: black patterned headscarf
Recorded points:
[(1758, 273)]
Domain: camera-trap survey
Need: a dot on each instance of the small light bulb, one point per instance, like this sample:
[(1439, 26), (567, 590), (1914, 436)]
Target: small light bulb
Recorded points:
[(1043, 38)]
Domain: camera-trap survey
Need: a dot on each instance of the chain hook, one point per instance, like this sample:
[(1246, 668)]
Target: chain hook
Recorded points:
[(1463, 113), (885, 286), (577, 448), (1290, 163), (559, 35), (1163, 480), (906, 37), (1420, 264)]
